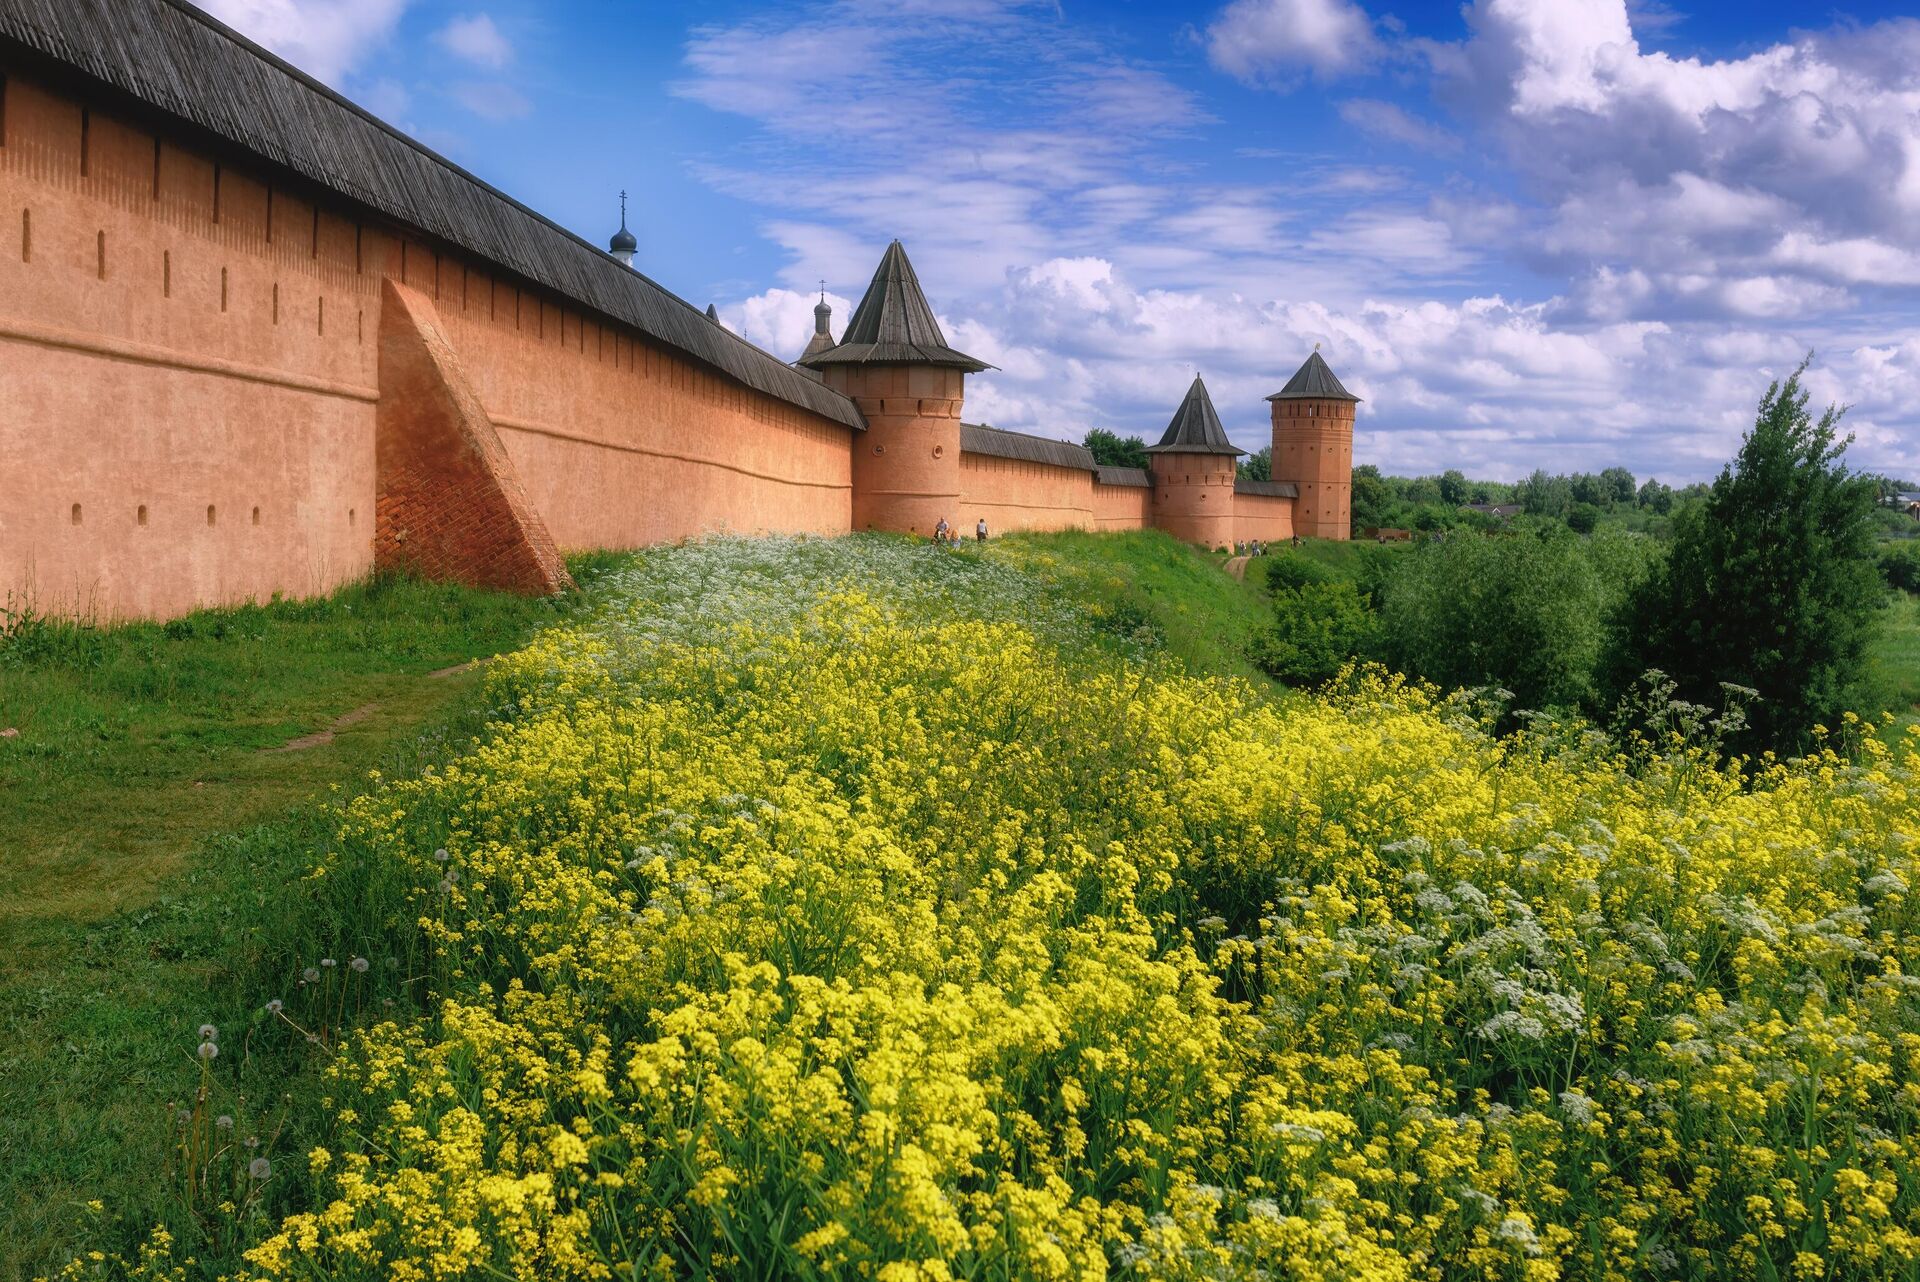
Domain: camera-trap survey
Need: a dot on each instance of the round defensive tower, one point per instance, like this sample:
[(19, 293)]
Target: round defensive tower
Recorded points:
[(1193, 470), (894, 363), (1313, 448)]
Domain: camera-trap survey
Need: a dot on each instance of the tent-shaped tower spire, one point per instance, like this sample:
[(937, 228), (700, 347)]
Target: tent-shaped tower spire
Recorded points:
[(1195, 428), (894, 324)]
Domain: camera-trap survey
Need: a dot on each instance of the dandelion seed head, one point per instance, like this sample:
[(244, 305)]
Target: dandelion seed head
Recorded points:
[(208, 1050), (259, 1168)]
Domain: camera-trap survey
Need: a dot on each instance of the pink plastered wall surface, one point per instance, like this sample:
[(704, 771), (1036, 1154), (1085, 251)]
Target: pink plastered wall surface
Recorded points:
[(1013, 494), (189, 380)]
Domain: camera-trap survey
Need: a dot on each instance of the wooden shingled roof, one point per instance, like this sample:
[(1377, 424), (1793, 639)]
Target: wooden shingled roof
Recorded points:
[(894, 323), (1271, 489), (995, 442), (1195, 428), (1314, 380), (1136, 477), (172, 58)]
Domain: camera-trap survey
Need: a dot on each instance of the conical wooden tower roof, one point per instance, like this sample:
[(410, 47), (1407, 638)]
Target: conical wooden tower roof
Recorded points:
[(894, 324), (1195, 428), (1313, 380)]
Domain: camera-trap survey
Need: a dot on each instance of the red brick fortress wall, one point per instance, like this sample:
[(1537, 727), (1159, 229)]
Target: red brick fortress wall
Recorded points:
[(1260, 516), (1015, 494), (1122, 507), (189, 381)]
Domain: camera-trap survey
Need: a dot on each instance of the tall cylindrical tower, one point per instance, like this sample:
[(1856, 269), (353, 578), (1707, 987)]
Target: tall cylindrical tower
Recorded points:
[(1193, 470), (1313, 447), (895, 364)]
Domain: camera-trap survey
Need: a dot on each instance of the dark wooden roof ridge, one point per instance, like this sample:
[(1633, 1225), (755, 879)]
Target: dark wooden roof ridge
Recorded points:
[(128, 45), (1136, 477), (1313, 380), (998, 442), (894, 324), (1271, 489), (1195, 428)]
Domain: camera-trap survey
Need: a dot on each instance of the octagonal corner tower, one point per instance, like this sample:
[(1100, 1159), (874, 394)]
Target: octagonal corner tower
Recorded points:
[(895, 365), (1193, 470), (1313, 448)]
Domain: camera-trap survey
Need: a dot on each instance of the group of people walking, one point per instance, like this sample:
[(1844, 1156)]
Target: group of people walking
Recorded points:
[(946, 536)]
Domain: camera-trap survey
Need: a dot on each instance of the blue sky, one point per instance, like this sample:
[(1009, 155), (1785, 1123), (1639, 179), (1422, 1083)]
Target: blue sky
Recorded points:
[(1559, 233)]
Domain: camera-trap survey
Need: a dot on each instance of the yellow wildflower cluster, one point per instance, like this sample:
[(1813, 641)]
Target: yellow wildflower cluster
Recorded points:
[(883, 935)]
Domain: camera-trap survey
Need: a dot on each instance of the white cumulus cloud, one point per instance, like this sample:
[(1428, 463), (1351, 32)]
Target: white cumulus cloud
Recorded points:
[(1258, 39), (327, 39), (476, 39)]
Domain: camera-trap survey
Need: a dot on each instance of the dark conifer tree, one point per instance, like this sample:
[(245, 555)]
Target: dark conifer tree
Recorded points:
[(1770, 583)]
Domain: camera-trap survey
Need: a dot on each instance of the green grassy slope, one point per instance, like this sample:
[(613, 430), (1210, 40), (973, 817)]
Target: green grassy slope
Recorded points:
[(1146, 581), (149, 837)]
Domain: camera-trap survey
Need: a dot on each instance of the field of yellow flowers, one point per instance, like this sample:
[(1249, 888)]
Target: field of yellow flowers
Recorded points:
[(851, 910)]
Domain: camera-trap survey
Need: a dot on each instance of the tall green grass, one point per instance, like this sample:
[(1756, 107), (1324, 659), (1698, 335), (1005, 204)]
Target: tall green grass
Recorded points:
[(150, 844)]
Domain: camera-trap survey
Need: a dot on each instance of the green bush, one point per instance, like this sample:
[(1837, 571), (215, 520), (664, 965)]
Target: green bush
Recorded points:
[(1532, 613), (1584, 519), (1316, 629), (1900, 566), (1286, 573)]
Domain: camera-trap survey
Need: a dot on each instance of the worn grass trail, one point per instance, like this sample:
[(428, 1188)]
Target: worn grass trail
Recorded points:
[(152, 817)]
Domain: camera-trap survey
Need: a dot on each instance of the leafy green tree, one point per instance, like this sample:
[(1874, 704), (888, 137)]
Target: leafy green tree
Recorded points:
[(1590, 489), (1771, 582), (1110, 450), (1453, 487), (1530, 613), (1619, 486), (1584, 518), (1316, 629), (1544, 495), (1900, 566), (1370, 497), (1655, 497), (1258, 466)]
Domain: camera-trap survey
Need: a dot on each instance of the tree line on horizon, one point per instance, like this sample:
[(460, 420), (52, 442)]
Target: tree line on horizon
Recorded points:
[(1582, 500)]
